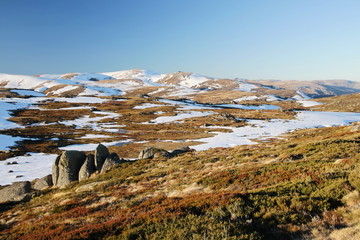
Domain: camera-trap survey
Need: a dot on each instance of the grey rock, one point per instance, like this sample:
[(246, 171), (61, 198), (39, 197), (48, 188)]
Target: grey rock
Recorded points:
[(18, 191), (44, 182), (180, 151), (88, 167), (111, 161), (66, 167), (152, 152), (101, 153), (55, 170)]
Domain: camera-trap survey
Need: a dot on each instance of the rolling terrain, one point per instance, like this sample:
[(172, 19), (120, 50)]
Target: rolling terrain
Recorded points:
[(269, 160)]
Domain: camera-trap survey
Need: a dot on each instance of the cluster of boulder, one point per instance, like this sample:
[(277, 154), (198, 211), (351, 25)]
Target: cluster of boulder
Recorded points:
[(73, 165)]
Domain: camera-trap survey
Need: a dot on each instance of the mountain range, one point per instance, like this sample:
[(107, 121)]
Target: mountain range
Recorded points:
[(175, 85)]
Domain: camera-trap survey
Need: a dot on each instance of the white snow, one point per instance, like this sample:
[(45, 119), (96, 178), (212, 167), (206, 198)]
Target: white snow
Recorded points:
[(246, 87), (183, 91), (194, 80), (301, 96), (268, 98), (36, 165), (93, 122), (147, 105), (94, 136), (158, 91), (28, 93), (249, 107), (20, 81), (247, 98), (90, 77), (307, 103), (274, 128), (7, 104), (271, 98), (65, 89), (81, 100), (148, 77), (186, 105), (88, 92), (93, 89), (133, 74)]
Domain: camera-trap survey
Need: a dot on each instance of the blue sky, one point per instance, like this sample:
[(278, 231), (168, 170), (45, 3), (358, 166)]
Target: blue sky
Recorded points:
[(254, 39)]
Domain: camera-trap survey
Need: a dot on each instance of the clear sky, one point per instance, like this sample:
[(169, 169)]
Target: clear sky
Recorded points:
[(254, 39)]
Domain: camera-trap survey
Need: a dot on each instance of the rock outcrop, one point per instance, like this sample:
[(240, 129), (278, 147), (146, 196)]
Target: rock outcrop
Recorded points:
[(180, 151), (18, 191), (88, 167), (66, 167), (152, 152), (72, 166), (111, 161), (101, 153), (44, 182)]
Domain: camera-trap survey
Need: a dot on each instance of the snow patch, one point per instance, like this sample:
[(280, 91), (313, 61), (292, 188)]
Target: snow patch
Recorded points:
[(307, 103), (246, 87), (194, 80), (249, 107), (81, 100), (147, 105), (36, 165), (65, 89), (301, 96), (92, 122), (266, 129), (31, 93)]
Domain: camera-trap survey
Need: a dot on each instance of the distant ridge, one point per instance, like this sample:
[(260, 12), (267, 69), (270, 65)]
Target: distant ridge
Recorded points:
[(180, 84)]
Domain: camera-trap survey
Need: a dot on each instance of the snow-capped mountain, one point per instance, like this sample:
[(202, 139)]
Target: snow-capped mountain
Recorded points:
[(178, 84)]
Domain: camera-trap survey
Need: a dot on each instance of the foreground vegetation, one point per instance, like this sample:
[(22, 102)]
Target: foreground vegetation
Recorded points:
[(304, 186)]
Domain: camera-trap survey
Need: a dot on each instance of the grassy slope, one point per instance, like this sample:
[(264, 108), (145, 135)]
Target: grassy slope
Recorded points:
[(343, 103), (284, 189)]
